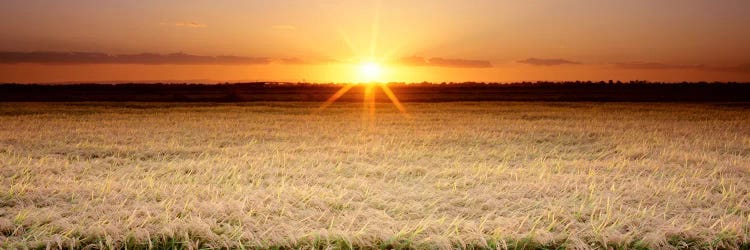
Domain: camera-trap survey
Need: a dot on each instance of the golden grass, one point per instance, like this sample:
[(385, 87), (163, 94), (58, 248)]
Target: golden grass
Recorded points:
[(576, 175)]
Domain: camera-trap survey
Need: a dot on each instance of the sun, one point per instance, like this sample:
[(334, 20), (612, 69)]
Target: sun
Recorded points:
[(370, 71), (371, 78)]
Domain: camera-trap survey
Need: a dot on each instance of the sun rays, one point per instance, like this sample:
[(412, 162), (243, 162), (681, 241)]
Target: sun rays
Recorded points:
[(371, 72), (368, 98)]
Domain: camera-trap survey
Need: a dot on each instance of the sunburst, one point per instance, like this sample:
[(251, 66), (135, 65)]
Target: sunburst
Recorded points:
[(368, 100), (370, 72)]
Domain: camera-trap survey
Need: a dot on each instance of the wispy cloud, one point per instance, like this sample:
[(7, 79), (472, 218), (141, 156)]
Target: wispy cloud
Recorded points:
[(444, 62), (142, 58), (546, 62), (306, 61), (293, 60), (655, 65), (190, 24), (283, 27), (742, 68)]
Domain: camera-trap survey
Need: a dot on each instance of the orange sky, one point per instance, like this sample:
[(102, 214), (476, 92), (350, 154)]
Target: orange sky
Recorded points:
[(419, 40)]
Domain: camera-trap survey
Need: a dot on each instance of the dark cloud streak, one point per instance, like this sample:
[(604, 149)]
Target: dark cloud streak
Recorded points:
[(546, 62), (742, 68), (143, 58), (445, 62), (190, 24), (306, 61), (654, 65)]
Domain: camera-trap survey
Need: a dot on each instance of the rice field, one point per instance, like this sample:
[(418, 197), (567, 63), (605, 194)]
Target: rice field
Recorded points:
[(518, 175)]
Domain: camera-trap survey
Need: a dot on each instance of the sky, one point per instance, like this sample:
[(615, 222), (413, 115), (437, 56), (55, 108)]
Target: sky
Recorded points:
[(410, 41)]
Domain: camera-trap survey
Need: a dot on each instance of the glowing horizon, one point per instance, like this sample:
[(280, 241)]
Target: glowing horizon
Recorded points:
[(415, 41)]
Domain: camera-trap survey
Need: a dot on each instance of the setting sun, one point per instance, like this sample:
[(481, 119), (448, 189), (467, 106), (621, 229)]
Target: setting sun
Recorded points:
[(370, 79), (370, 71)]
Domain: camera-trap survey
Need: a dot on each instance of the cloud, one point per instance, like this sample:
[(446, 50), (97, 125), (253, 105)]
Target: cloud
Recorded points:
[(190, 24), (293, 60), (305, 61), (444, 62), (546, 62), (283, 27), (143, 58), (742, 68), (655, 66)]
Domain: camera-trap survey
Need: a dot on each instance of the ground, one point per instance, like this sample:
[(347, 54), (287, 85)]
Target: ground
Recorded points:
[(488, 174)]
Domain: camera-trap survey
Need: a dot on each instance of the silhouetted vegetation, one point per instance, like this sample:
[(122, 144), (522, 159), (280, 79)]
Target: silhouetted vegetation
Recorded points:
[(609, 91)]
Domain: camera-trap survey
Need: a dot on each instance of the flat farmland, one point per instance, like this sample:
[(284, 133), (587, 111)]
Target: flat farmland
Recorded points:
[(448, 175)]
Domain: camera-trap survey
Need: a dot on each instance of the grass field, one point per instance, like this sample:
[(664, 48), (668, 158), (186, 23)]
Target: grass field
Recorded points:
[(262, 175)]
